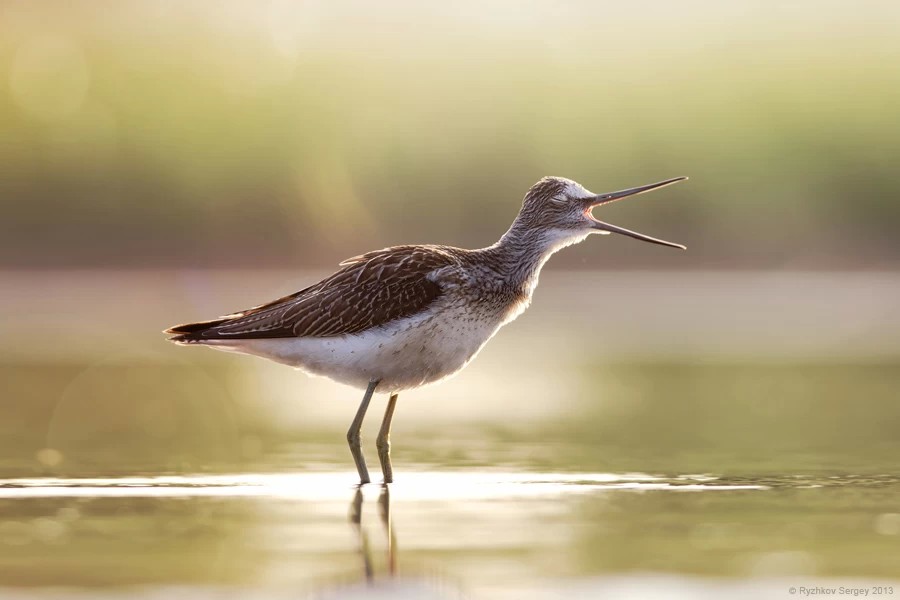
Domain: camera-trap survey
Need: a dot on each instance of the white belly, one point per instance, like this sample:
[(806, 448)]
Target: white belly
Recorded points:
[(402, 355)]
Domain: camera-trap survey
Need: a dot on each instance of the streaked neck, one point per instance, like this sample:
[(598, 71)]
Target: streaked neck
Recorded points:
[(522, 251)]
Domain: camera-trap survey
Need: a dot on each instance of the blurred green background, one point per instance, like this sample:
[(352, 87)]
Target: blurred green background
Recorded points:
[(296, 133), (163, 162)]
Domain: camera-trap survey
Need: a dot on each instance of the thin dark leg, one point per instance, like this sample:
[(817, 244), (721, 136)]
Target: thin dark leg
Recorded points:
[(384, 440), (353, 436)]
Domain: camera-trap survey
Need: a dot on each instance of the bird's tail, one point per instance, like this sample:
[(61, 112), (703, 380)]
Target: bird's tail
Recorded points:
[(192, 332)]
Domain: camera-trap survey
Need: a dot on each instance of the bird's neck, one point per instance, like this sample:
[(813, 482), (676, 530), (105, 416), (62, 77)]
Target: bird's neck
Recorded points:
[(522, 251)]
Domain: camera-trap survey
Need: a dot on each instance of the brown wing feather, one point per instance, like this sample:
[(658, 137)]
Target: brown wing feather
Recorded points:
[(368, 291)]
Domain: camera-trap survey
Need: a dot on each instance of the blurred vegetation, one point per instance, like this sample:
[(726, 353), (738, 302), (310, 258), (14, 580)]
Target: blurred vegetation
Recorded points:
[(156, 133)]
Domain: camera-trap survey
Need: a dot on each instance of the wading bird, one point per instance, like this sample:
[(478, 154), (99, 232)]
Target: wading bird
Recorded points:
[(403, 317)]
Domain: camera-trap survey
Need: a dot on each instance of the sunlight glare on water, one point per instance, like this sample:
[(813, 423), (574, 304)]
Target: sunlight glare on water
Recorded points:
[(334, 485)]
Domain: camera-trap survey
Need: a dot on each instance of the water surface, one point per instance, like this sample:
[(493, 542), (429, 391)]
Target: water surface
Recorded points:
[(759, 476)]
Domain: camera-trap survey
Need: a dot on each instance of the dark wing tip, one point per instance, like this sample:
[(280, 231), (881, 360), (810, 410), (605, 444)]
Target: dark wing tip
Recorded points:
[(191, 331)]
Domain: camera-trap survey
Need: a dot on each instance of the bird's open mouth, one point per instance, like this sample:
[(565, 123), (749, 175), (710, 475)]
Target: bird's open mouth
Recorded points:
[(607, 228)]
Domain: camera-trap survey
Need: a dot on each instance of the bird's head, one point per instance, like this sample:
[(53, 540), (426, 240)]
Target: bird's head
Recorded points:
[(561, 209)]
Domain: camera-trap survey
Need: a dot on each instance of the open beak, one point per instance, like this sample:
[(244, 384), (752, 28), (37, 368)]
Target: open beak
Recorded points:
[(613, 196)]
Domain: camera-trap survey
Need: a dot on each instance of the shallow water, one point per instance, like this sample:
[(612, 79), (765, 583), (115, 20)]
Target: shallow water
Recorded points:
[(169, 473), (446, 533)]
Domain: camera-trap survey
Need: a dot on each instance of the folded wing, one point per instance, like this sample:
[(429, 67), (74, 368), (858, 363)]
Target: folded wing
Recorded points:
[(368, 291)]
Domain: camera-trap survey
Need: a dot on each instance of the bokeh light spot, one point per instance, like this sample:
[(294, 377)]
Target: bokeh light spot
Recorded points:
[(49, 457), (888, 524)]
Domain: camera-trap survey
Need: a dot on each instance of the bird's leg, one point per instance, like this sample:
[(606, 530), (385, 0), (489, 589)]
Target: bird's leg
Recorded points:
[(384, 440), (353, 436)]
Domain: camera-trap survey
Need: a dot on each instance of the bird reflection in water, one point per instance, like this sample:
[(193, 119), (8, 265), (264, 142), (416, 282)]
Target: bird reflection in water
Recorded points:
[(365, 550)]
